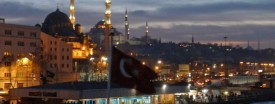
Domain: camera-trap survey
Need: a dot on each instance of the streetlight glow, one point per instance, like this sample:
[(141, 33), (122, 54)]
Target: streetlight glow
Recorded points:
[(159, 61)]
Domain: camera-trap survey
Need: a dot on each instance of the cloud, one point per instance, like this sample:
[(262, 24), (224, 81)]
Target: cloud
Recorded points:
[(218, 8), (18, 13), (172, 20)]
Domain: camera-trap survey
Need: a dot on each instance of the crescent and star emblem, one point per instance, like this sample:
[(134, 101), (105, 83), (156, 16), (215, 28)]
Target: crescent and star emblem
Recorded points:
[(122, 69)]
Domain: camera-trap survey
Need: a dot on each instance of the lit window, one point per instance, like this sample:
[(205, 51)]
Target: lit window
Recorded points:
[(7, 53)]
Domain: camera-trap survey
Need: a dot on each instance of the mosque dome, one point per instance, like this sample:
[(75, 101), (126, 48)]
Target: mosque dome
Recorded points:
[(58, 23), (100, 24)]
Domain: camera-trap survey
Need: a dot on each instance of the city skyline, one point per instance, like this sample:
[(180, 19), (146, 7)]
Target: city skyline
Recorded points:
[(207, 20)]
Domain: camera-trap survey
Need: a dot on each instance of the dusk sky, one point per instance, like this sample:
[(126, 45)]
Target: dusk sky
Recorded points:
[(171, 20)]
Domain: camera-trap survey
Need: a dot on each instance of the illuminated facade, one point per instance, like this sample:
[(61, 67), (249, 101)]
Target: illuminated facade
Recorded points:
[(72, 12), (19, 52), (57, 58)]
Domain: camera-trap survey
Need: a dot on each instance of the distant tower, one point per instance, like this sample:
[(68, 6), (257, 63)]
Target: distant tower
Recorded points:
[(127, 28), (146, 32), (248, 44), (72, 11), (108, 24), (192, 39), (259, 45)]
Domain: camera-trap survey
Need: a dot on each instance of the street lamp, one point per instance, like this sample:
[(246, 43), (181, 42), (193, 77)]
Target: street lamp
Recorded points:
[(159, 61), (225, 55)]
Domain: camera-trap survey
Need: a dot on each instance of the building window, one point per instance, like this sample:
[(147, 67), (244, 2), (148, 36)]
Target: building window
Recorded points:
[(55, 57), (20, 33), (55, 49), (7, 74), (20, 74), (8, 43), (33, 34), (20, 85), (54, 42), (55, 65), (62, 65), (7, 53), (20, 43), (51, 58), (51, 66), (7, 85), (32, 44), (68, 57), (62, 57), (51, 42), (7, 63), (8, 32), (62, 49), (68, 65), (67, 49)]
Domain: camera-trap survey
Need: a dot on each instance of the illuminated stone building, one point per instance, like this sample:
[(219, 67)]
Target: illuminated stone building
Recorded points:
[(57, 58), (19, 50)]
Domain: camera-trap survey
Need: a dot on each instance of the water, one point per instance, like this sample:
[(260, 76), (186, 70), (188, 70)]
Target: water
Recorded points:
[(267, 102)]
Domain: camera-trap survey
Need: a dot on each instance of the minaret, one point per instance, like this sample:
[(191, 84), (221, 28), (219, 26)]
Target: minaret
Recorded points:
[(192, 39), (146, 32), (127, 29), (248, 45), (72, 11), (259, 45), (108, 25)]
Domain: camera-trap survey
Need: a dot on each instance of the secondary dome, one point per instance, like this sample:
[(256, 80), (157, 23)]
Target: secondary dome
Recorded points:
[(58, 23)]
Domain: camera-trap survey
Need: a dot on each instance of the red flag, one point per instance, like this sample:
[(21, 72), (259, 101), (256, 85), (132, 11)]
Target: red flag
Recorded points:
[(129, 72)]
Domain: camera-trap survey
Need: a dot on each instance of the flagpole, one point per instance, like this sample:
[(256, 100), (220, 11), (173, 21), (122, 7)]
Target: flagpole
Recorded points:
[(109, 66)]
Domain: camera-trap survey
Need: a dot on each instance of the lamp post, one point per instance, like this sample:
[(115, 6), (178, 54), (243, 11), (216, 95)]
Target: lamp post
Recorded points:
[(225, 55)]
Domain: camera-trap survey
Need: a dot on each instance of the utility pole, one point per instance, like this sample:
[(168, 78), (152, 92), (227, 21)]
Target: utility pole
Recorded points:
[(225, 58)]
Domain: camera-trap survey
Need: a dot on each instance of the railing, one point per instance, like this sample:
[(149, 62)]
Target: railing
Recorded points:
[(247, 98)]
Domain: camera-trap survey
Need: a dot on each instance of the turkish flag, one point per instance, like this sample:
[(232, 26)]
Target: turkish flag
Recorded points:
[(129, 72)]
